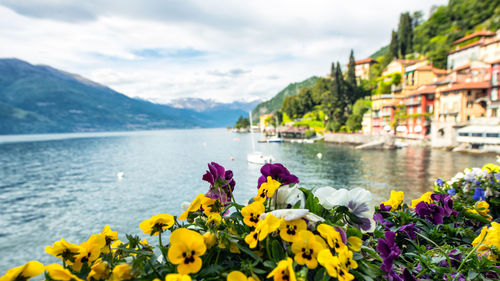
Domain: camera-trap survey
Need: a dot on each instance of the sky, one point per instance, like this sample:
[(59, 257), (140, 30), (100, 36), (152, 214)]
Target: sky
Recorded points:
[(223, 50)]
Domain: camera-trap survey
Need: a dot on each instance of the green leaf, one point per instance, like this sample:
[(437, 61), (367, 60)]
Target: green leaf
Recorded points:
[(249, 252), (472, 274), (277, 251)]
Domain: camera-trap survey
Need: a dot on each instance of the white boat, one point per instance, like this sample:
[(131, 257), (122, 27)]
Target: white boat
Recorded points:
[(274, 139), (255, 156), (259, 158)]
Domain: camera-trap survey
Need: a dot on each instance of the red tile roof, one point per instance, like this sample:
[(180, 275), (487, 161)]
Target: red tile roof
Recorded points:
[(426, 89), (478, 43), (368, 60), (467, 85), (482, 33)]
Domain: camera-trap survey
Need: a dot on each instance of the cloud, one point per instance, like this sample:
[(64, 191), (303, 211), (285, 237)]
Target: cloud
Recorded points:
[(230, 73), (224, 50)]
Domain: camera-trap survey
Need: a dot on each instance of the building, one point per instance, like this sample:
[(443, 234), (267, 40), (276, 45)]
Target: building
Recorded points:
[(469, 48), (362, 68), (418, 75), (398, 66), (461, 101), (494, 101), (419, 109)]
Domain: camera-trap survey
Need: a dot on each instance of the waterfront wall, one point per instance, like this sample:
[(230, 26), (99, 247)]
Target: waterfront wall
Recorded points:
[(353, 138)]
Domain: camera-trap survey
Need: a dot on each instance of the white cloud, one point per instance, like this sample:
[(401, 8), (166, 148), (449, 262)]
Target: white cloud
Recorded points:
[(225, 50)]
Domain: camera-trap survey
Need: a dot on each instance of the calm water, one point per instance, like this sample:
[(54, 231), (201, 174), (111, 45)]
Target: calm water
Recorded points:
[(66, 185)]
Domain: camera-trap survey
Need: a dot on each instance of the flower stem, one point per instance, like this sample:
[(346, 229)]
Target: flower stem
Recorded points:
[(439, 248), (154, 269), (267, 247), (468, 255)]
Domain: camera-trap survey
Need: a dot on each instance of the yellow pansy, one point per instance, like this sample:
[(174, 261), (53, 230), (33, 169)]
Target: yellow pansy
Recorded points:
[(64, 250), (239, 276), (186, 247), (57, 272), (210, 239), (177, 277), (346, 259), (267, 189), (284, 271), (195, 206), (23, 272), (331, 235), (290, 229), (122, 272), (211, 206), (306, 248), (482, 207), (354, 243), (263, 228), (395, 200), (426, 197), (492, 168), (110, 237), (90, 251), (214, 220), (99, 271), (490, 237), (252, 212), (157, 224), (329, 262)]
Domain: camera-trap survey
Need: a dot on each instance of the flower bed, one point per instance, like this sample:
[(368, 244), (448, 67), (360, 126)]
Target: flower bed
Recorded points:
[(291, 233)]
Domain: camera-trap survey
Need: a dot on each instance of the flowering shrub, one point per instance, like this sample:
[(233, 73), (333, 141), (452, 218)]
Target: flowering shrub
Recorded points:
[(290, 233)]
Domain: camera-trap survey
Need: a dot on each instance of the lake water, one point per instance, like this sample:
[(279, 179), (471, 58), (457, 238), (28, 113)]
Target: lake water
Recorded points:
[(66, 185)]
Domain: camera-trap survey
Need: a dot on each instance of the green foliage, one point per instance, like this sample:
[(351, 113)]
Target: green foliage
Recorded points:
[(310, 133), (276, 102), (405, 34), (242, 123), (394, 45)]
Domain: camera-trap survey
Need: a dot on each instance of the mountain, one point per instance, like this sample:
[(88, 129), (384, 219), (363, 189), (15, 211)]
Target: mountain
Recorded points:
[(275, 102), (225, 114), (42, 99)]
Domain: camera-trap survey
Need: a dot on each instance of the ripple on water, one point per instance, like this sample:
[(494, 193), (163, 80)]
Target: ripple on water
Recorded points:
[(69, 188)]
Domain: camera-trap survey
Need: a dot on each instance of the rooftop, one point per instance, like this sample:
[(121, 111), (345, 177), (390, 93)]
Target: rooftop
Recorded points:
[(363, 61), (482, 33)]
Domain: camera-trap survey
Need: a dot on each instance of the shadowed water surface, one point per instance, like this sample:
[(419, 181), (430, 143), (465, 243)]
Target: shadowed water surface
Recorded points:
[(66, 185)]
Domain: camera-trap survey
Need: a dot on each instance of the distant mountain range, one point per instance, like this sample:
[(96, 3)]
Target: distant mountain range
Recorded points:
[(275, 102), (42, 99)]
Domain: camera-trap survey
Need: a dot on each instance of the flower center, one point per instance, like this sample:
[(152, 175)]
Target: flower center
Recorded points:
[(188, 257), (254, 218), (285, 275), (291, 229), (307, 254)]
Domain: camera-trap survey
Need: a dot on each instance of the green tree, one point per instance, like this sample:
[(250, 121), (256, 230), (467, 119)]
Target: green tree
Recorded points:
[(242, 123), (405, 34), (394, 45), (351, 82)]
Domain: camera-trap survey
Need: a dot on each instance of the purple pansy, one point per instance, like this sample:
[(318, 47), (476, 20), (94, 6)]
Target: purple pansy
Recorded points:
[(380, 219), (409, 230), (388, 250), (446, 203), (478, 194), (277, 172), (453, 275), (431, 212), (221, 182), (385, 208), (407, 276)]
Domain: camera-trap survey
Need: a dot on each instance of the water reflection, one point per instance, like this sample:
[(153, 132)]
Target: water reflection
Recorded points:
[(67, 187)]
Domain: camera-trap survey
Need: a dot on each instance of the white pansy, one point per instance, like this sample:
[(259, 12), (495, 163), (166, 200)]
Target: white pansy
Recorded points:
[(288, 197), (329, 197), (185, 205), (358, 200), (293, 214)]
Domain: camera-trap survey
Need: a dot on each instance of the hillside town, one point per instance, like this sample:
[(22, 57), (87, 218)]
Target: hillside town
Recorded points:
[(454, 107)]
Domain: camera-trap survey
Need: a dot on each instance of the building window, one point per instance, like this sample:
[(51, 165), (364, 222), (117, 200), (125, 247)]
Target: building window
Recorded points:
[(477, 134), (419, 109), (469, 93), (492, 135), (430, 109), (494, 78), (494, 94), (468, 117), (463, 134)]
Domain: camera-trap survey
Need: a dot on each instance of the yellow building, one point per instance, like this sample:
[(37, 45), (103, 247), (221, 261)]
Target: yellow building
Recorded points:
[(262, 121), (461, 101), (418, 75)]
